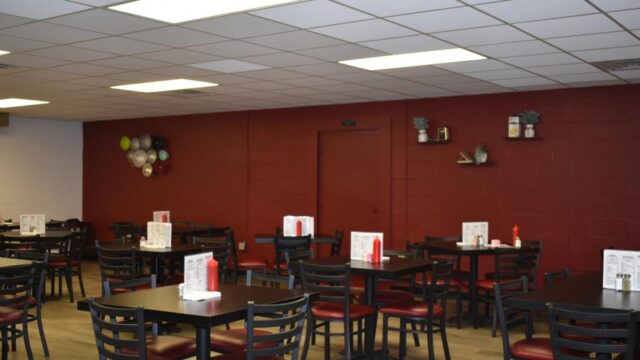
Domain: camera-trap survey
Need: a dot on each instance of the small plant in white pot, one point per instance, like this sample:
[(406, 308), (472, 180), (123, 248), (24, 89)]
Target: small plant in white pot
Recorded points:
[(529, 118), (422, 124)]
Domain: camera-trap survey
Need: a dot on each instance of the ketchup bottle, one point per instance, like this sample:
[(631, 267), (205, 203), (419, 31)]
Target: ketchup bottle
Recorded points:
[(299, 227), (212, 275), (515, 233), (376, 251), (164, 218)]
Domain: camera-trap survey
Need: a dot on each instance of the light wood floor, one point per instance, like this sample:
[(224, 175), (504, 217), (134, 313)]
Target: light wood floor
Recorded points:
[(69, 335)]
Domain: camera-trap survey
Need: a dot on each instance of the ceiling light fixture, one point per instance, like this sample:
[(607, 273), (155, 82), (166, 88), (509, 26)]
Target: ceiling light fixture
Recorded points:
[(15, 102), (177, 11), (2, 52), (165, 85), (413, 59)]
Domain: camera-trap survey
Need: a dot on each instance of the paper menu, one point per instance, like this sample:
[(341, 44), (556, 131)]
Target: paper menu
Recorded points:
[(195, 277), (32, 224), (472, 229), (620, 261), (362, 244), (158, 235), (158, 216), (289, 225)]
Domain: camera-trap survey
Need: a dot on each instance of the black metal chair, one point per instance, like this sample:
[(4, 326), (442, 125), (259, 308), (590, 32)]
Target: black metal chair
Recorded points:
[(336, 247), (610, 332), (551, 277), (67, 263), (16, 286), (334, 305), (117, 264), (127, 230), (430, 314), (284, 244), (288, 317), (525, 349)]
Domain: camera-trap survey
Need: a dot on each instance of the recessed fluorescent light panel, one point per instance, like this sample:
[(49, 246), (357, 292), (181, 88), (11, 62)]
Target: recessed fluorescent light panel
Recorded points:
[(413, 59), (15, 102), (177, 11), (165, 85), (229, 66), (2, 52)]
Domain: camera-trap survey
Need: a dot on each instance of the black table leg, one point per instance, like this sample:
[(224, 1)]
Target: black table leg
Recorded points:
[(203, 347), (473, 298)]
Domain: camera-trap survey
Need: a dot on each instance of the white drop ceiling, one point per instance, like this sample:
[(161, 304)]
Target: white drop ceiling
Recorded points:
[(70, 52)]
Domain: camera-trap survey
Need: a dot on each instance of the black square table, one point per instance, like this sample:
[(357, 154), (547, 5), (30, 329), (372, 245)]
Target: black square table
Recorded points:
[(583, 290), (163, 304), (48, 235), (317, 239), (6, 263)]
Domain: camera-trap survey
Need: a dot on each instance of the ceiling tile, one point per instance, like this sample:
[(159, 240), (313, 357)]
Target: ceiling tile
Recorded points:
[(541, 60), (107, 22), (627, 74), (9, 21), (281, 60), (39, 10), (532, 47), (232, 49), (70, 53), (229, 66), (629, 18), (239, 26), (476, 2), (120, 45), (322, 69), (474, 66), (50, 75), (178, 56), (563, 69), (24, 60), (129, 63), (408, 44), (436, 21), (98, 2), (526, 10), (312, 14), (595, 41), (179, 71), (423, 91), (15, 44), (501, 74), (263, 85), (50, 32), (483, 36), (392, 7), (227, 78), (521, 82), (294, 40), (472, 86), (272, 74), (310, 81), (576, 78), (415, 72), (342, 88), (608, 5), (578, 25), (341, 52), (86, 69), (390, 84), (299, 91), (175, 36), (366, 30), (630, 52), (129, 77), (360, 77), (445, 79)]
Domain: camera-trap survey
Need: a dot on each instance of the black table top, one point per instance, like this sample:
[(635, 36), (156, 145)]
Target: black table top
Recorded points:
[(581, 290), (317, 239), (392, 268), (451, 247), (11, 262), (175, 249), (49, 234), (163, 303)]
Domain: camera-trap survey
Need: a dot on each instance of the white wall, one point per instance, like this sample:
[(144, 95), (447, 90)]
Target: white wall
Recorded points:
[(41, 168)]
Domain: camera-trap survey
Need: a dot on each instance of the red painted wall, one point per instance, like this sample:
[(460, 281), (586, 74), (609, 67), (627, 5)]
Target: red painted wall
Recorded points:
[(577, 189)]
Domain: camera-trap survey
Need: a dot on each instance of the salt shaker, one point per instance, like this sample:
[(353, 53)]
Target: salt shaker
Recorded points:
[(618, 282)]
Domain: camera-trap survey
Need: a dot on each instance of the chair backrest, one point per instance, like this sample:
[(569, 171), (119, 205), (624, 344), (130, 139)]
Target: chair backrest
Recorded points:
[(126, 230), (531, 260), (40, 261), (512, 265), (285, 244), (575, 329), (274, 281), (216, 235), (19, 242), (434, 256), (110, 287), (331, 281), (438, 288), (552, 276), (508, 317), (293, 257), (54, 224), (117, 264), (113, 334), (288, 317), (16, 284), (221, 252), (336, 246)]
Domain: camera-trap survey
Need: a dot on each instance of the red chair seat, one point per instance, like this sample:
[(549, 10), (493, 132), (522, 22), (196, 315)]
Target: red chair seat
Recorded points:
[(31, 301), (411, 309), (167, 347), (63, 263), (534, 349), (235, 340), (242, 356), (9, 315), (335, 311), (126, 290), (486, 284), (387, 297), (252, 263), (452, 282)]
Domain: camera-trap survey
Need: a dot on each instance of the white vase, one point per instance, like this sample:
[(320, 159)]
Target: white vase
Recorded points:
[(529, 131), (422, 136)]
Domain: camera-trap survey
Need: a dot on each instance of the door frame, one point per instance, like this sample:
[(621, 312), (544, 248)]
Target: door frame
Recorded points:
[(381, 123)]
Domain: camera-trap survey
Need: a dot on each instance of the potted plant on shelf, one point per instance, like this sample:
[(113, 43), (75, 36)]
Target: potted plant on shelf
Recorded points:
[(529, 118), (422, 124)]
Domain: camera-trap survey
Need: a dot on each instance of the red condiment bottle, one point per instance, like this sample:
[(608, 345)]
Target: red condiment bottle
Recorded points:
[(299, 227), (376, 251), (212, 275), (515, 233), (164, 217)]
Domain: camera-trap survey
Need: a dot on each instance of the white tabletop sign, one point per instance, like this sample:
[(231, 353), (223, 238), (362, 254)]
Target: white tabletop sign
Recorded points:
[(158, 216), (470, 230), (289, 225), (620, 262), (195, 277), (362, 244), (158, 235), (32, 224)]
